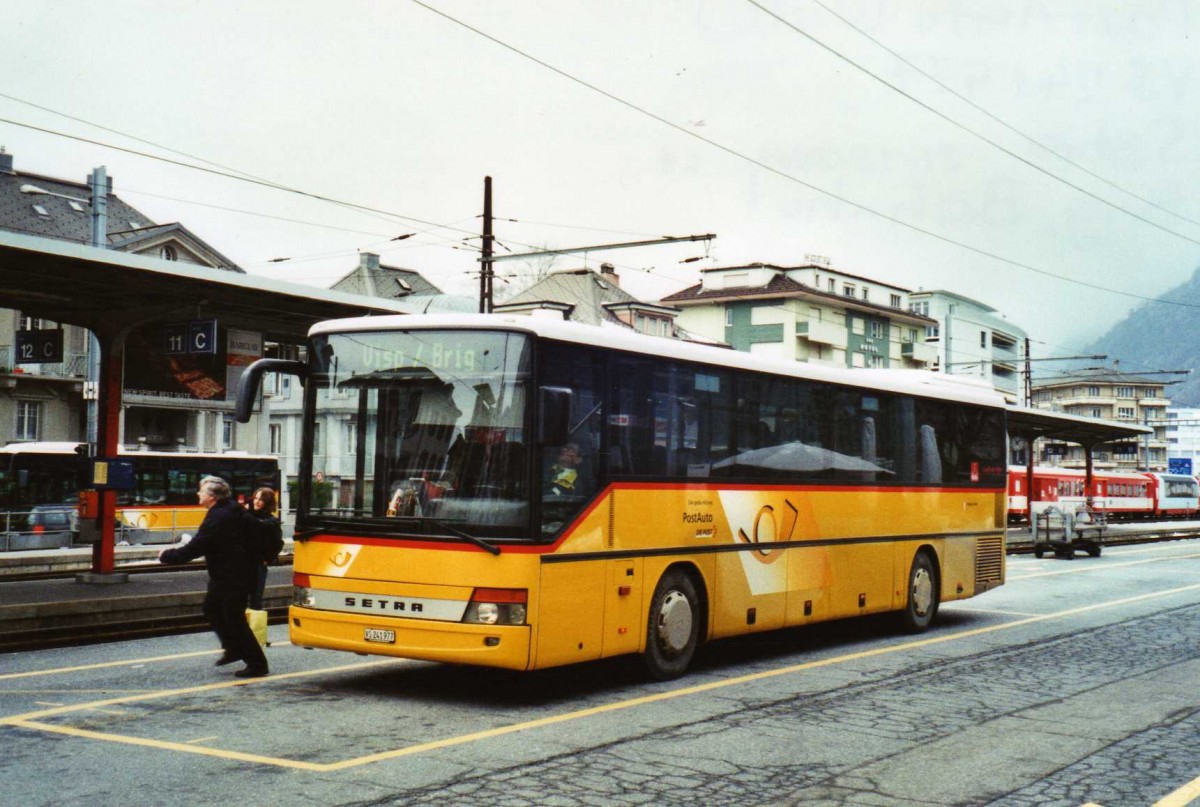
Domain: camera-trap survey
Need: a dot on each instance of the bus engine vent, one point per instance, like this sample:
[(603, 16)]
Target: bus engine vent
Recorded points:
[(989, 562)]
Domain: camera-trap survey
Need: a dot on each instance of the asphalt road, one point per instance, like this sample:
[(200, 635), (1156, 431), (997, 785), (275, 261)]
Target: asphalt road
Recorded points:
[(1076, 683)]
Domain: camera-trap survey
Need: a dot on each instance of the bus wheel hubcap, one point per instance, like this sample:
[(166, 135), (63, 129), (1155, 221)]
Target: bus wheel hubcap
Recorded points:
[(922, 592), (674, 622)]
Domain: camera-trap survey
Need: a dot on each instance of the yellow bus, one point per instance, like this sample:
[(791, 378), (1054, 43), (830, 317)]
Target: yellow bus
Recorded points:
[(530, 493), (40, 492)]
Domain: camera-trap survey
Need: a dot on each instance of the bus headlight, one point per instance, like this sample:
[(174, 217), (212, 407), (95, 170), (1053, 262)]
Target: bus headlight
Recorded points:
[(497, 606), (303, 596)]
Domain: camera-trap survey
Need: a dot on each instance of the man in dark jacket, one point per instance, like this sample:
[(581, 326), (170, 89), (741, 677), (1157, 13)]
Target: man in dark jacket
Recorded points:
[(231, 576)]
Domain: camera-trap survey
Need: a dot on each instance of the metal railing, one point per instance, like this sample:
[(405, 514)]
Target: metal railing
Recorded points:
[(51, 527)]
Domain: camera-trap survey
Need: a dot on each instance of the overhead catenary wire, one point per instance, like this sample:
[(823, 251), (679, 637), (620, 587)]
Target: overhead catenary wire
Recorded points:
[(228, 175), (384, 215), (791, 177), (362, 208), (245, 177), (957, 124), (245, 174), (1002, 122)]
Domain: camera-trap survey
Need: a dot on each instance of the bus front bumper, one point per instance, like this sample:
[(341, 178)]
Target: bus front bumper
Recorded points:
[(504, 646)]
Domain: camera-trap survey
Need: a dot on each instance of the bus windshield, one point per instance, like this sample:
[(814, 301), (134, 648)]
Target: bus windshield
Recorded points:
[(433, 430)]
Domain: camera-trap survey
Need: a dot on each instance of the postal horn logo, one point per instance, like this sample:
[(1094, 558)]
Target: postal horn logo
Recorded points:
[(340, 559), (766, 531)]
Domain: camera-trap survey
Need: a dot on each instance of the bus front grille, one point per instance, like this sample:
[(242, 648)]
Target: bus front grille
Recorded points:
[(989, 562)]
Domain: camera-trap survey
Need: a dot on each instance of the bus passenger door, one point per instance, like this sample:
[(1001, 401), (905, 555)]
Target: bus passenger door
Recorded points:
[(624, 616)]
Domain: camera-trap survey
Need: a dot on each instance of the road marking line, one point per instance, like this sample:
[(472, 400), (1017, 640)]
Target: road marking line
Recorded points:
[(1184, 795), (1099, 567), (167, 693), (128, 663), (203, 739), (70, 690), (104, 664), (31, 720), (1148, 549), (163, 744), (967, 610)]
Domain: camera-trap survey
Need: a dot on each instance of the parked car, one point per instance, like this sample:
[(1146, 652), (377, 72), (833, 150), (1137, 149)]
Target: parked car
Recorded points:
[(47, 526)]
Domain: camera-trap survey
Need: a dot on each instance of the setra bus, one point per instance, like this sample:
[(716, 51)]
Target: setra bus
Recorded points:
[(530, 493), (40, 484)]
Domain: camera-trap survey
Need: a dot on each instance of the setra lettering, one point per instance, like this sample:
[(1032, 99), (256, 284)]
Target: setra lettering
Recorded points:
[(384, 605)]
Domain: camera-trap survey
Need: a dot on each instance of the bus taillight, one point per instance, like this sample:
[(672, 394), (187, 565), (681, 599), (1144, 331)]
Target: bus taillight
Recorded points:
[(497, 606)]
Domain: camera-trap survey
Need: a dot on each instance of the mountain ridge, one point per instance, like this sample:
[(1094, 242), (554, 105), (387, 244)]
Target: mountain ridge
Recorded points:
[(1160, 336)]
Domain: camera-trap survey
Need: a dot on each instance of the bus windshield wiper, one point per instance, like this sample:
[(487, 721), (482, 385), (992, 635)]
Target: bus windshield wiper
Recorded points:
[(373, 525), (479, 542)]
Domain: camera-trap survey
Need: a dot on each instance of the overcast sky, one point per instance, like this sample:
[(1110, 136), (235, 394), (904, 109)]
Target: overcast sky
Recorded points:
[(716, 117)]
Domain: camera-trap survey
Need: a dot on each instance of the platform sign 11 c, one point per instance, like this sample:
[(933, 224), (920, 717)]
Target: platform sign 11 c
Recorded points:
[(198, 336), (40, 347)]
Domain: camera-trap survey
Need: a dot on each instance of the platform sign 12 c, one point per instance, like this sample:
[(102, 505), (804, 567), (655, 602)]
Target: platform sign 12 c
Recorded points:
[(40, 347)]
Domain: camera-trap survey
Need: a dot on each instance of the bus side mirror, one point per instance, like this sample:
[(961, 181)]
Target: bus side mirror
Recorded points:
[(554, 421), (252, 379)]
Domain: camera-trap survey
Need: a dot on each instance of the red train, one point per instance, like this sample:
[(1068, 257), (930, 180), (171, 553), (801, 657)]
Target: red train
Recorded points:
[(1119, 494)]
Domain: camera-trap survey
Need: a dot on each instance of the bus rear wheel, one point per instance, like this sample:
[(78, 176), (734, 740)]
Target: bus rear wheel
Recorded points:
[(673, 627), (923, 594)]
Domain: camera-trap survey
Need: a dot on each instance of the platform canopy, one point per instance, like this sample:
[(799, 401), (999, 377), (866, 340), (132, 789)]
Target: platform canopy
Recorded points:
[(103, 289), (1087, 432)]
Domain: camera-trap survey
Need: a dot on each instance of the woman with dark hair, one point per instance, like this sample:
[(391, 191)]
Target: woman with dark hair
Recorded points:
[(262, 507)]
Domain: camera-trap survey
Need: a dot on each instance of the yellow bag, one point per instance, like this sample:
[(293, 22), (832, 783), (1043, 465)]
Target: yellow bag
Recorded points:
[(258, 624)]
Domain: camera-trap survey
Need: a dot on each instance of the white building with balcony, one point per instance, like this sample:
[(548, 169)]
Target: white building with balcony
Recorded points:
[(972, 338), (809, 313)]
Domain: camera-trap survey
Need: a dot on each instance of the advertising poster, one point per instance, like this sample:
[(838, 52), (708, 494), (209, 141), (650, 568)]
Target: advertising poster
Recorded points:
[(161, 370)]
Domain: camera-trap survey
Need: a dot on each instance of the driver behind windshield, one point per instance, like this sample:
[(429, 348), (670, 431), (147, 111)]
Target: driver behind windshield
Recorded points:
[(564, 473)]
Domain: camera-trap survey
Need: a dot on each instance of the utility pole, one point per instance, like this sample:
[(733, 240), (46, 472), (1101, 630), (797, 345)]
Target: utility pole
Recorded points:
[(100, 185), (1028, 376), (487, 269), (488, 260)]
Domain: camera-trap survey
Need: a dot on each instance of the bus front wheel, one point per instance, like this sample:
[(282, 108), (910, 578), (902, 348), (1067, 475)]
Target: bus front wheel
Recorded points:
[(673, 628), (923, 594)]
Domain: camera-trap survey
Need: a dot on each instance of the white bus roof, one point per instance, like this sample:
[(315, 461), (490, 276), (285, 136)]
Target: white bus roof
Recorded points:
[(921, 383)]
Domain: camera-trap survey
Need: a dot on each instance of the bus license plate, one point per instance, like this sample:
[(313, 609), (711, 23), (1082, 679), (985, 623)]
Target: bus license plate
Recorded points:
[(377, 635)]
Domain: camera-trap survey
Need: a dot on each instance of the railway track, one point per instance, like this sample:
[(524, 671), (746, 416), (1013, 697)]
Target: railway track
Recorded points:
[(1020, 541), (74, 635)]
